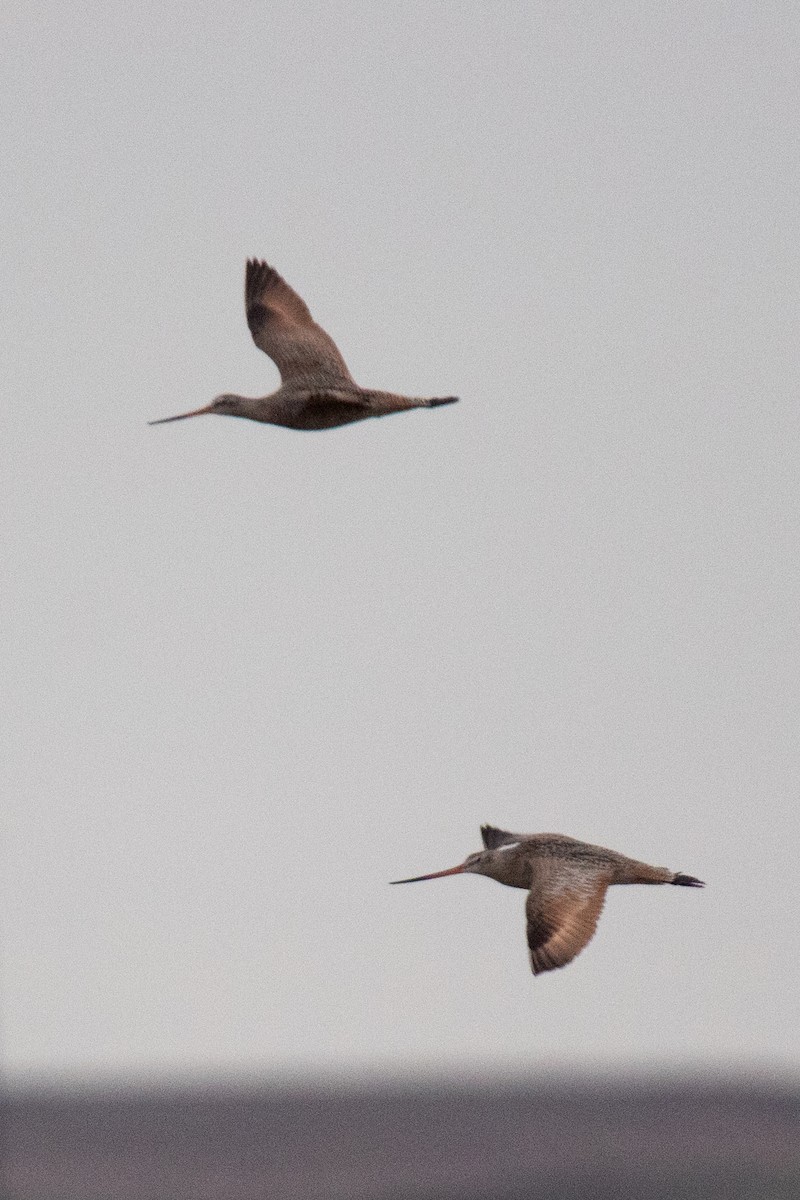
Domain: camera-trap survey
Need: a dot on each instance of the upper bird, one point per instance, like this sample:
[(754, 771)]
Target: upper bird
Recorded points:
[(567, 882), (317, 391)]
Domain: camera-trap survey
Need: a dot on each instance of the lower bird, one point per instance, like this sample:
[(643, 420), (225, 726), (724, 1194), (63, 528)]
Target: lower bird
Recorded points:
[(317, 390), (566, 882)]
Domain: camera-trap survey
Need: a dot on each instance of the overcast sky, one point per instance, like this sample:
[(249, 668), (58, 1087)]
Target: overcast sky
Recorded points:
[(252, 674)]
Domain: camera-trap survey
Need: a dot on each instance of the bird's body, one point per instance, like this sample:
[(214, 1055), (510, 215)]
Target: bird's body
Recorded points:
[(317, 390), (566, 882)]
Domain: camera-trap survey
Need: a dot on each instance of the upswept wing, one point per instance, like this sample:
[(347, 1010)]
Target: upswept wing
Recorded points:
[(284, 329), (562, 910), (493, 837)]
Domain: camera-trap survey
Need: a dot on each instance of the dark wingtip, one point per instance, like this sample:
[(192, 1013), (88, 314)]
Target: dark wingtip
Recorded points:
[(437, 400), (256, 272), (687, 881), (494, 837)]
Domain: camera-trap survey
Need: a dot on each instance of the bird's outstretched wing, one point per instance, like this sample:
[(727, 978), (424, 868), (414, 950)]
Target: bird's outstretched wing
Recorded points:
[(563, 908), (284, 329), (493, 837)]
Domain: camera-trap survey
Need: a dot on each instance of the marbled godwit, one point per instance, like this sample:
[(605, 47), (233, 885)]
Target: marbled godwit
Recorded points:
[(317, 390), (566, 881)]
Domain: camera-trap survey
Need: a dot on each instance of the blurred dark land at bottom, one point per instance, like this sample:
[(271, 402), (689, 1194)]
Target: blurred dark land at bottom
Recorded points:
[(542, 1141)]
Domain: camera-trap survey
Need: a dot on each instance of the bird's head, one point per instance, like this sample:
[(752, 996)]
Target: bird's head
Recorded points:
[(227, 404), (479, 863)]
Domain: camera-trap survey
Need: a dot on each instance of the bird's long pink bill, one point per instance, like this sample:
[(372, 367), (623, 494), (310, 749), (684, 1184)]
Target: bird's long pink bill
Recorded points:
[(196, 412), (436, 875)]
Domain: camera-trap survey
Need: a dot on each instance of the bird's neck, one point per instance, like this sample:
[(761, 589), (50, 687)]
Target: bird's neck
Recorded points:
[(509, 867)]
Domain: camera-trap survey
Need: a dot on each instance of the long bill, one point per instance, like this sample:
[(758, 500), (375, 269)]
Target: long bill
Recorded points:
[(196, 412), (436, 875)]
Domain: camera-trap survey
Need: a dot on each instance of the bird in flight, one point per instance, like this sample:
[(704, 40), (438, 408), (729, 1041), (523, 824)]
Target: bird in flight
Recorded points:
[(317, 391), (566, 881)]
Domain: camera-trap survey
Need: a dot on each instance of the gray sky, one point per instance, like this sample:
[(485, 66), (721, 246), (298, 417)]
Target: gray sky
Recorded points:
[(252, 674)]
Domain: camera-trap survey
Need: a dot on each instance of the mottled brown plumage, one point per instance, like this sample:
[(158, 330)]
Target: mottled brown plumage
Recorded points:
[(566, 881), (317, 390)]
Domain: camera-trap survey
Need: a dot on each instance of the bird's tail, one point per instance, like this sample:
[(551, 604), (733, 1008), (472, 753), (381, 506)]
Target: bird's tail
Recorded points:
[(686, 881), (437, 400)]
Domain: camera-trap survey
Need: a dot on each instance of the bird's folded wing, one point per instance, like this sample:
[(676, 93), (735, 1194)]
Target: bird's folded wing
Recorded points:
[(284, 329), (562, 912)]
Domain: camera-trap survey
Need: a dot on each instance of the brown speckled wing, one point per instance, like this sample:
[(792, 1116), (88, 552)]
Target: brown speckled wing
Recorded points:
[(562, 911), (284, 329)]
